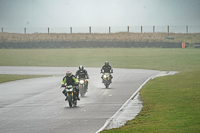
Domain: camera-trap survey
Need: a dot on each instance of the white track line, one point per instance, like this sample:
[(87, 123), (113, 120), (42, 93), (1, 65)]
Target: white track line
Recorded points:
[(134, 94)]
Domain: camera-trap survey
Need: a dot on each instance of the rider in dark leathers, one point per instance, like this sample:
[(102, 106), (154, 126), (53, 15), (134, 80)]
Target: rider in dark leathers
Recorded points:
[(107, 69), (70, 79), (82, 73)]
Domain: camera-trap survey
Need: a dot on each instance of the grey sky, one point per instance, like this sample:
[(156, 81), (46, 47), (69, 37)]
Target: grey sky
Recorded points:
[(97, 13)]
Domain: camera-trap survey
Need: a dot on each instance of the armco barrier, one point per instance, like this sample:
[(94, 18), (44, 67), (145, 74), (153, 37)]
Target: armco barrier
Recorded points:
[(89, 44), (197, 45)]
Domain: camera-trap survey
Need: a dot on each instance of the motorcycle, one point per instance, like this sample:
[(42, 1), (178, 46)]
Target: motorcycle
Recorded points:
[(106, 79), (71, 95), (83, 86)]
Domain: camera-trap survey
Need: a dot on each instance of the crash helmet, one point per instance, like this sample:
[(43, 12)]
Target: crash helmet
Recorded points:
[(81, 67), (106, 63), (68, 73)]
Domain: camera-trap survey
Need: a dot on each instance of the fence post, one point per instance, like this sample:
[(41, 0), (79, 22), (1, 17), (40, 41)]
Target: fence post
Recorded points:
[(187, 29), (2, 30), (128, 29), (109, 29), (141, 29), (153, 29), (168, 29), (24, 30), (48, 30), (90, 29), (70, 29)]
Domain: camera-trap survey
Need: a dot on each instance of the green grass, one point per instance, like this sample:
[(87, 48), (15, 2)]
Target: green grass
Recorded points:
[(8, 77), (170, 104), (142, 58)]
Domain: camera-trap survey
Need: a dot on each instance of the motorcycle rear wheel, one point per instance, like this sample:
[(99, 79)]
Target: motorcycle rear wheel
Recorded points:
[(75, 103), (82, 91)]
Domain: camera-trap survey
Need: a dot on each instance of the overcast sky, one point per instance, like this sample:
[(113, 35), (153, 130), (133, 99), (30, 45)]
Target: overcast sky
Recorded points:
[(98, 13)]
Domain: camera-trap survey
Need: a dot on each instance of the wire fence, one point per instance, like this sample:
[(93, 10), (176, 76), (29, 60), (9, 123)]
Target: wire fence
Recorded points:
[(113, 29)]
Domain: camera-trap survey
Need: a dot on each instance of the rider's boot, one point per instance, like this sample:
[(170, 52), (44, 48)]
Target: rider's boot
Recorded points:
[(63, 92), (111, 78), (87, 87)]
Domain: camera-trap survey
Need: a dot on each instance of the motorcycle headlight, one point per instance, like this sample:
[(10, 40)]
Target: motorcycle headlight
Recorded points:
[(81, 81), (69, 90), (104, 76)]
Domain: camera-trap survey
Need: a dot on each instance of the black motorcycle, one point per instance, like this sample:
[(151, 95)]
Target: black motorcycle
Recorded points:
[(106, 79), (71, 95)]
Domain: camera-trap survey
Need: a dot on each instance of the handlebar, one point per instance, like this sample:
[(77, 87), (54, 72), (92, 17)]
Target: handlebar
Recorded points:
[(111, 71), (69, 85), (63, 86)]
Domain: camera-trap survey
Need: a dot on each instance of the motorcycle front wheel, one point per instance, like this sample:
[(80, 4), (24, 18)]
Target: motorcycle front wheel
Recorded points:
[(106, 83), (70, 100)]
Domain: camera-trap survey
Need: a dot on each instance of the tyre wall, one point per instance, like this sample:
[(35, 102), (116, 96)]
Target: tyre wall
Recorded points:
[(89, 44)]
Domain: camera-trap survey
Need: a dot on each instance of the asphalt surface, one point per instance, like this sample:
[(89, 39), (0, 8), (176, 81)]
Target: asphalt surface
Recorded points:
[(37, 105)]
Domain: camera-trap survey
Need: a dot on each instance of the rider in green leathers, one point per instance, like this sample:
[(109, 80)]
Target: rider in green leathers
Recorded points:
[(70, 79)]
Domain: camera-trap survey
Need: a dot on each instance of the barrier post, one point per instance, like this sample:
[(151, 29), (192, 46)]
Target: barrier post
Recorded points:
[(183, 44), (70, 29), (168, 29), (90, 29), (187, 29)]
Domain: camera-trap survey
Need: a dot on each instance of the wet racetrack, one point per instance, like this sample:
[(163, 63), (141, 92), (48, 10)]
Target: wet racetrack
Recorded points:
[(37, 105)]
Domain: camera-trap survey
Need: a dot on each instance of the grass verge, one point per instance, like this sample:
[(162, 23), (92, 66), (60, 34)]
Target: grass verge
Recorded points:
[(141, 58), (171, 105)]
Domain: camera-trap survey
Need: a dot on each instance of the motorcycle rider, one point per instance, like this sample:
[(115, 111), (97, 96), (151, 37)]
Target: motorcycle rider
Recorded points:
[(107, 69), (82, 73), (70, 79)]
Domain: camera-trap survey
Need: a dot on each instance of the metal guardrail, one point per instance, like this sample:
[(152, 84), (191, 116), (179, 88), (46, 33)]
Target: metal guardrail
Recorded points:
[(197, 45)]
